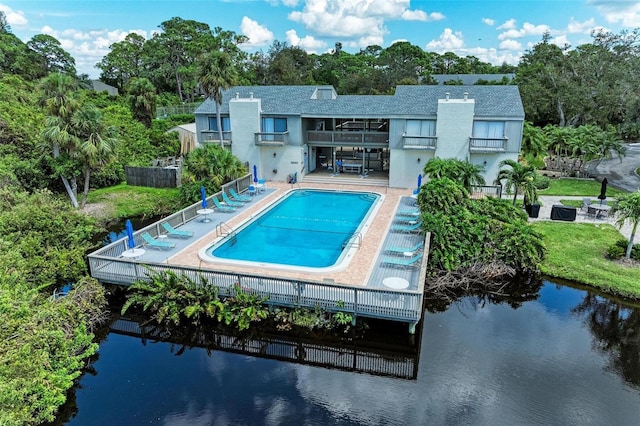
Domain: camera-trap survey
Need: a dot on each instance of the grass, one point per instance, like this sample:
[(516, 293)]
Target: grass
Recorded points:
[(575, 251), (572, 203), (135, 201), (578, 187)]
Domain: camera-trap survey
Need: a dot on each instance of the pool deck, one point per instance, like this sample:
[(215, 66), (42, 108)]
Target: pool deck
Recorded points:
[(360, 267)]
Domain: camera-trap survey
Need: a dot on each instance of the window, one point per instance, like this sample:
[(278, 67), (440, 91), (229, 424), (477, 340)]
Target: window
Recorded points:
[(226, 124), (274, 125), (488, 129), (420, 128)]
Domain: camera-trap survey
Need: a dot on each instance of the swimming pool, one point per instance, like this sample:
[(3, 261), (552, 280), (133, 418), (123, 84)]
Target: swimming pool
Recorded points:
[(309, 229)]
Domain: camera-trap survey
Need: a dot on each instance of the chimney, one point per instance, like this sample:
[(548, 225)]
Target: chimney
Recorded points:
[(466, 95), (446, 96)]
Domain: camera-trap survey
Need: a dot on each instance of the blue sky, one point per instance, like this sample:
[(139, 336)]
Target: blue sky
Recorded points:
[(494, 31)]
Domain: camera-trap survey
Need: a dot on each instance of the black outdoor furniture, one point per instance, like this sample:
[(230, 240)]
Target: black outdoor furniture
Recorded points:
[(560, 212)]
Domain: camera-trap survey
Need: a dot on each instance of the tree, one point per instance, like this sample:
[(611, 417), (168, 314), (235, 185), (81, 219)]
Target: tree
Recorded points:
[(54, 57), (95, 142), (534, 141), (216, 73), (627, 207), (462, 172), (60, 103), (123, 62), (519, 178), (142, 100)]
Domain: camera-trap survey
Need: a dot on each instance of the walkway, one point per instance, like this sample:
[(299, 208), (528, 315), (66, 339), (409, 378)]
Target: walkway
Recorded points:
[(621, 172)]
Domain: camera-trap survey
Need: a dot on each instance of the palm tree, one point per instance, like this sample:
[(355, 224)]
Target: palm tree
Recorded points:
[(463, 172), (216, 73), (534, 141), (627, 207), (142, 99), (95, 142), (58, 100), (519, 178)]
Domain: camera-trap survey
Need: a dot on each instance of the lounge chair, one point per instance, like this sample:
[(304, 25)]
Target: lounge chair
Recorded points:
[(220, 207), (400, 262), (157, 244), (400, 250), (409, 212), (407, 228), (409, 219), (178, 233), (238, 197), (229, 202)]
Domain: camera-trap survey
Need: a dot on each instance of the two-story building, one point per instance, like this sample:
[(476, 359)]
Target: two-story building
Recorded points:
[(311, 129)]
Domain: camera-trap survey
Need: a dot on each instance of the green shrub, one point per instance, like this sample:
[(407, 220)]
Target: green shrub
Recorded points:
[(541, 181), (635, 250), (614, 252)]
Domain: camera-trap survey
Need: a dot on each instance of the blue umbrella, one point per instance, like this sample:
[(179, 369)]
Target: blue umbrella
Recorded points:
[(129, 228), (255, 173), (419, 181), (203, 192)]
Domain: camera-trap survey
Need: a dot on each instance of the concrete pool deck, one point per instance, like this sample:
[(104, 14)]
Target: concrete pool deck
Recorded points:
[(361, 264)]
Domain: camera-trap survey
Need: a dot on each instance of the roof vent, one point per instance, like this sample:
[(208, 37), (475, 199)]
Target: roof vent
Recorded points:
[(466, 95), (237, 95), (250, 95), (446, 95)]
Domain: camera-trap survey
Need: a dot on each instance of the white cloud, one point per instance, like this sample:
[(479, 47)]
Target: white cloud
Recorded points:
[(490, 22), (510, 45), (258, 35), (448, 41), (527, 29), (88, 47), (414, 15), (626, 13), (560, 41), (307, 43), (288, 3), (581, 27), (356, 22), (14, 17), (508, 25)]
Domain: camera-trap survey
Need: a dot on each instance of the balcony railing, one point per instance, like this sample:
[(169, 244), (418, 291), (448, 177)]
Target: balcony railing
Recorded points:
[(487, 144), (272, 138), (212, 136), (419, 142), (330, 138)]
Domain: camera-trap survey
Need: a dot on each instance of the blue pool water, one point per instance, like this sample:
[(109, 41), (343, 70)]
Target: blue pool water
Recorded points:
[(307, 228)]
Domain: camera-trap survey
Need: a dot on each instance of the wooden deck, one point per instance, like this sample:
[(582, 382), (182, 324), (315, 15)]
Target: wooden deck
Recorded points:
[(359, 286)]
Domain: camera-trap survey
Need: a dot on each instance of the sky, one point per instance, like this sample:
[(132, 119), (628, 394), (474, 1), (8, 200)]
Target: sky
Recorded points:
[(495, 31)]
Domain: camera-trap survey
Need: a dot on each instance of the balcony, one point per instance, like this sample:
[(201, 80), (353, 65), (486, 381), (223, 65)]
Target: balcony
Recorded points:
[(487, 145), (419, 142), (348, 138), (272, 138), (212, 136)]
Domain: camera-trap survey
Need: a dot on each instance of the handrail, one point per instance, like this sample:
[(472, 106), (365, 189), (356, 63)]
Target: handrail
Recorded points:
[(354, 241), (222, 230)]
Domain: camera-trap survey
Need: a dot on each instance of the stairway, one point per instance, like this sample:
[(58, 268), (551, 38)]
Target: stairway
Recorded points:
[(343, 179)]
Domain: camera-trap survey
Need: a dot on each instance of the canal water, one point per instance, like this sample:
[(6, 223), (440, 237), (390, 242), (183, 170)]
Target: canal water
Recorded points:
[(561, 356)]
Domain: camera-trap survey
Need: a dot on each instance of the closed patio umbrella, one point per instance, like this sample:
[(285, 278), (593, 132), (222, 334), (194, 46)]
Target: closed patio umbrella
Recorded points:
[(128, 226), (255, 173), (203, 193), (603, 190)]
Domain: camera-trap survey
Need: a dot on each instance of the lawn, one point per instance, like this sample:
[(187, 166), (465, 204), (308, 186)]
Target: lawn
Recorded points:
[(575, 252), (578, 187), (122, 201)]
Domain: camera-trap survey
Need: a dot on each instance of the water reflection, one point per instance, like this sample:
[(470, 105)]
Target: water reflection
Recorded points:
[(558, 358)]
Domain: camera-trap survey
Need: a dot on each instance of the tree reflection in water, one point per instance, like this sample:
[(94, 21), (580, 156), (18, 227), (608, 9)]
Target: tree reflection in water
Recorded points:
[(616, 332)]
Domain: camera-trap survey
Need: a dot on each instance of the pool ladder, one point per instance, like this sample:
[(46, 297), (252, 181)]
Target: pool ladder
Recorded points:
[(354, 241), (224, 230)]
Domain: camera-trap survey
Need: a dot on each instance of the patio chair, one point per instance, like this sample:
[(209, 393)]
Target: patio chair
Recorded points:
[(409, 212), (238, 197), (399, 262), (178, 233), (156, 244), (401, 250), (220, 207), (586, 202), (407, 228), (229, 202)]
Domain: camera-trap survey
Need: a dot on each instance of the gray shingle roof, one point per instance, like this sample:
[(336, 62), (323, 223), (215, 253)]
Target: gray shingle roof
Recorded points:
[(491, 101)]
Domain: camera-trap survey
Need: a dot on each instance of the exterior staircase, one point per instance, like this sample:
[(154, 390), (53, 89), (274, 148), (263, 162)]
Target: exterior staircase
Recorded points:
[(344, 179)]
